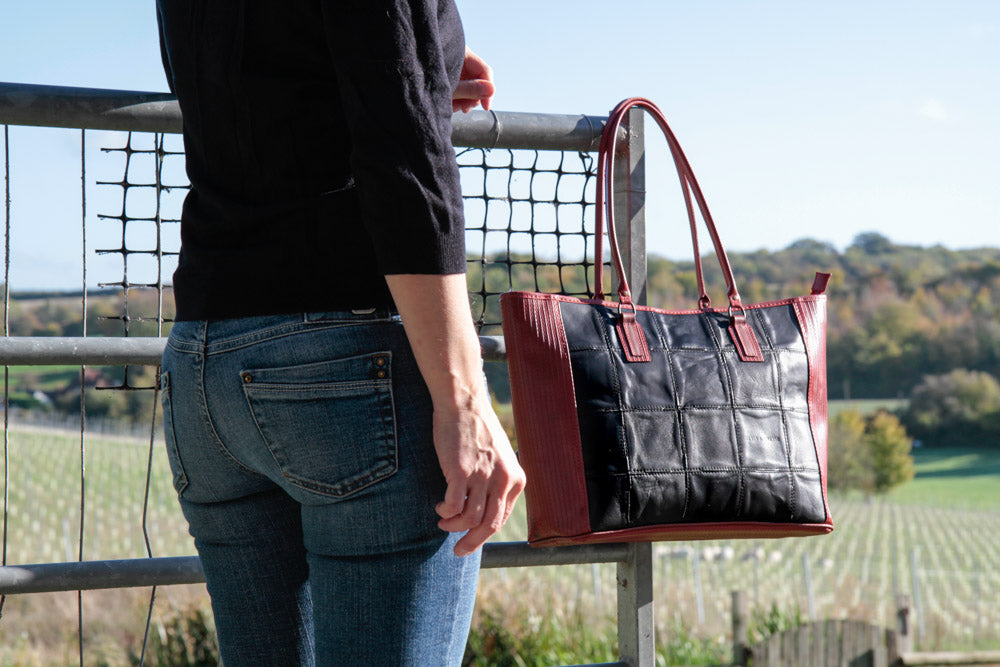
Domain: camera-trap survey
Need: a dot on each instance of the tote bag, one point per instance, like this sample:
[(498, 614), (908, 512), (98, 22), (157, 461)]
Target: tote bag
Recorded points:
[(636, 423)]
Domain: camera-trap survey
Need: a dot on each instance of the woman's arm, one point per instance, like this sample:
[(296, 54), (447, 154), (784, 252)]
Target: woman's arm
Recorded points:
[(483, 475), (397, 101)]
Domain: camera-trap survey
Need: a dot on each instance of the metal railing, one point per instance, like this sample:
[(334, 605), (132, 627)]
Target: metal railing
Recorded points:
[(90, 109)]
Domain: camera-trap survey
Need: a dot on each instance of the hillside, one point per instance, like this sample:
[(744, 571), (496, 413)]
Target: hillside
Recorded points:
[(896, 313)]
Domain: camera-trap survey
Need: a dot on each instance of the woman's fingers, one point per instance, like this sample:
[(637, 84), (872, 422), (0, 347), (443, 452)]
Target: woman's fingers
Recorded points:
[(474, 89), (454, 500), (474, 67), (469, 94), (475, 84), (489, 525), (484, 517), (471, 513)]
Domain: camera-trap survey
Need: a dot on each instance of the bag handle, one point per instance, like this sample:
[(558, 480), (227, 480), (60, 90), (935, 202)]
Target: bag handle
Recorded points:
[(689, 186), (630, 332)]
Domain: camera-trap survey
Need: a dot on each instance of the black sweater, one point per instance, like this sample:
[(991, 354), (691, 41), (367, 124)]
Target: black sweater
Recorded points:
[(318, 144)]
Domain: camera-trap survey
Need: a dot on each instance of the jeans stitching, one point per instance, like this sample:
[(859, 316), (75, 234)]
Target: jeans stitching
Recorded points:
[(181, 481), (328, 387), (281, 331), (206, 414), (341, 490)]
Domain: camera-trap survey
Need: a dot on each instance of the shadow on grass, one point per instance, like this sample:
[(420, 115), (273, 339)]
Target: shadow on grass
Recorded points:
[(942, 463)]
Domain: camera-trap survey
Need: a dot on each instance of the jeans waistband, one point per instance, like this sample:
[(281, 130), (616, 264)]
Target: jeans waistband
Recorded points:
[(222, 335)]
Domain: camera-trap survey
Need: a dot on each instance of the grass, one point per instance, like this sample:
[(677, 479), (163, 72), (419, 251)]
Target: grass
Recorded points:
[(939, 531), (967, 478), (44, 505), (959, 478), (47, 379), (866, 406)]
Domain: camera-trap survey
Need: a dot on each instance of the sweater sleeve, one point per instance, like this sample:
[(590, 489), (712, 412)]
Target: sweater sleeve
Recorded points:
[(392, 60)]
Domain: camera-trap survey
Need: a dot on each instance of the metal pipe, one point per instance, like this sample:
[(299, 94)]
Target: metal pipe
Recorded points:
[(90, 108), (134, 351), (533, 131), (519, 554), (100, 109), (92, 575), (56, 350)]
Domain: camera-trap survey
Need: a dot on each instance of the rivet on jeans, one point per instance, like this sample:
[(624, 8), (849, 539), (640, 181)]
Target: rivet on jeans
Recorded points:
[(247, 378)]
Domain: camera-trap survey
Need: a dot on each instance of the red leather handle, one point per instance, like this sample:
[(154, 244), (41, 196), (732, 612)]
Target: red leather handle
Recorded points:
[(689, 186)]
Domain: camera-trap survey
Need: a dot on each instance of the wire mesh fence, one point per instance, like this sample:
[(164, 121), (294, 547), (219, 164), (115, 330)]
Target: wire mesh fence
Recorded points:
[(73, 491), (529, 225)]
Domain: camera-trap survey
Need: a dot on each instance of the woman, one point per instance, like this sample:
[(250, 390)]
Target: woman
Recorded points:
[(339, 464)]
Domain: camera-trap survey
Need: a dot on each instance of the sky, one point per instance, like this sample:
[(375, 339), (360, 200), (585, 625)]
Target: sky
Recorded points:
[(801, 119)]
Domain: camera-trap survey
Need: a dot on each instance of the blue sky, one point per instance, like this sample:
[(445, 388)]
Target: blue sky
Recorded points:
[(801, 119)]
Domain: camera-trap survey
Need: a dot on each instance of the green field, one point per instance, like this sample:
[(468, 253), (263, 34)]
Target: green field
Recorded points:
[(866, 405), (23, 380), (967, 478), (45, 500), (935, 539), (46, 378)]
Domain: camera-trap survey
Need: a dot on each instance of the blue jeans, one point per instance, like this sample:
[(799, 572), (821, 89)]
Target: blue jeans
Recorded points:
[(302, 455)]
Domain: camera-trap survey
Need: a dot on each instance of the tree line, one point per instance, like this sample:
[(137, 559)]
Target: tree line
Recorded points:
[(896, 313), (904, 321)]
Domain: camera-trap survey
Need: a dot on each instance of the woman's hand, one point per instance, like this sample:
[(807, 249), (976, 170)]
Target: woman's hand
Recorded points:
[(482, 473), (475, 86)]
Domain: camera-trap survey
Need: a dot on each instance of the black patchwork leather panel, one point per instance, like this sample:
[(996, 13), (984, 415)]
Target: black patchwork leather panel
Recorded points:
[(695, 435)]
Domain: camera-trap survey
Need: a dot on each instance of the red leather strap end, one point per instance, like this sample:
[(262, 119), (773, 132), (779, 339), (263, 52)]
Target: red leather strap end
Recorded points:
[(744, 338), (544, 402), (632, 337), (820, 283), (811, 314)]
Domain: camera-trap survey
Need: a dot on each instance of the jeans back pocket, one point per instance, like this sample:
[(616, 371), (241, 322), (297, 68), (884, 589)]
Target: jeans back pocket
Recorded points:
[(329, 425)]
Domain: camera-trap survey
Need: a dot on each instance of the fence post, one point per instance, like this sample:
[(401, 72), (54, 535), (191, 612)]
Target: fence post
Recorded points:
[(630, 204), (904, 629), (699, 592), (739, 629), (635, 576), (918, 608), (635, 607), (808, 583)]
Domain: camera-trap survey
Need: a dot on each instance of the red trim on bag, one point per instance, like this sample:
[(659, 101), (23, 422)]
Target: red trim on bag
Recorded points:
[(548, 430), (735, 530), (613, 305), (812, 321), (744, 339), (820, 282), (632, 338)]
